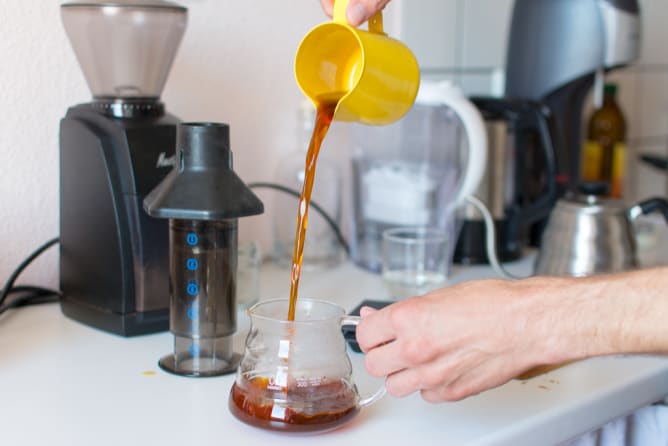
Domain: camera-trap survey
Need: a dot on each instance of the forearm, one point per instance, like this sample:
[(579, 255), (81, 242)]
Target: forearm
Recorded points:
[(609, 314)]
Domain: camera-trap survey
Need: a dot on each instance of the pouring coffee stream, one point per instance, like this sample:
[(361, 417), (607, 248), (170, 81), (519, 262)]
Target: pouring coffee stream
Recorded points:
[(325, 113)]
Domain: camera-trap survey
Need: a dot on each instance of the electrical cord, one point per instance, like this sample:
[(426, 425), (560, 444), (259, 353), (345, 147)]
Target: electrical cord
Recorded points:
[(490, 236), (330, 221), (30, 295)]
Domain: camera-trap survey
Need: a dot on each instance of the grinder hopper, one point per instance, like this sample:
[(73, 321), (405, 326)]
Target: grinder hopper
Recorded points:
[(125, 47)]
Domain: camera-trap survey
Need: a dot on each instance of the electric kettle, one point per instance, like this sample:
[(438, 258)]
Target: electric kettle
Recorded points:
[(417, 171), (587, 234)]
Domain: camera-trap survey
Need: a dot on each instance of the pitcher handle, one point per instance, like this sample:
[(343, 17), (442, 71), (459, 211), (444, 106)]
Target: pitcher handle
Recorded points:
[(375, 22), (378, 394), (446, 94)]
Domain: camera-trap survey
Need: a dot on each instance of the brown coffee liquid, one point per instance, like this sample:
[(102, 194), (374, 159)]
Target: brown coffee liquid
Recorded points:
[(323, 407), (324, 115)]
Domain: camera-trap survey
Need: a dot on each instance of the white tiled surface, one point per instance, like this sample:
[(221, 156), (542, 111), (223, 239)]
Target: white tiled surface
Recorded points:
[(653, 94), (430, 28), (655, 32), (484, 31)]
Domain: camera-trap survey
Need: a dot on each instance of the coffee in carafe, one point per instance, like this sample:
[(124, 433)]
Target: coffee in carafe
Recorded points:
[(295, 376), (319, 407)]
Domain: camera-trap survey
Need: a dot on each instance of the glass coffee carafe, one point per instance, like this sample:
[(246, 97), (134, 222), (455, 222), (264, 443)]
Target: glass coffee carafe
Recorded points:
[(295, 376)]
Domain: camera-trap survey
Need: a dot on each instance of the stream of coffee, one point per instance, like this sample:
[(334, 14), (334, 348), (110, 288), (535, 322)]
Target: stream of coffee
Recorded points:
[(318, 406), (326, 106)]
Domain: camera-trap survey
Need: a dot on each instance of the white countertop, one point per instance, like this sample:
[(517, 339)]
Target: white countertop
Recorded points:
[(64, 383)]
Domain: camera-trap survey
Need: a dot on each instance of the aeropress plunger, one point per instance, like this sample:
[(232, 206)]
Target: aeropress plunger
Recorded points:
[(202, 198)]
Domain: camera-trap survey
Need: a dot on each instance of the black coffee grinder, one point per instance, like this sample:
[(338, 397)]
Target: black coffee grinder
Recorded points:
[(114, 260)]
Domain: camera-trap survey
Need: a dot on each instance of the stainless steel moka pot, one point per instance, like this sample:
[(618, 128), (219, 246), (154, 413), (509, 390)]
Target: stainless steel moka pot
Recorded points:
[(587, 235)]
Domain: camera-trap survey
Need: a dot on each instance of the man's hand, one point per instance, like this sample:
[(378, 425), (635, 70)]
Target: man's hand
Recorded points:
[(359, 11), (462, 340)]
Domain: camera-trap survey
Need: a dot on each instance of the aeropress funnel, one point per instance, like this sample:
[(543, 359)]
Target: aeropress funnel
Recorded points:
[(202, 197)]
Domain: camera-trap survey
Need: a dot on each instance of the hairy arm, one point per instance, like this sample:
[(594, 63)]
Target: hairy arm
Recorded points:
[(461, 340)]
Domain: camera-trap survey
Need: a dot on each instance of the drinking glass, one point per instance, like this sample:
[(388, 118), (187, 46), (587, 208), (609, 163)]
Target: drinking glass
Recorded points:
[(415, 260)]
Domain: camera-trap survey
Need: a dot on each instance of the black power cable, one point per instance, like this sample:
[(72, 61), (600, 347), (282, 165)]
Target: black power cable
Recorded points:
[(330, 221), (29, 294)]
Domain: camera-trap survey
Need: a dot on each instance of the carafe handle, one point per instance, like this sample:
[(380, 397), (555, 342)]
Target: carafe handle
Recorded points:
[(378, 394)]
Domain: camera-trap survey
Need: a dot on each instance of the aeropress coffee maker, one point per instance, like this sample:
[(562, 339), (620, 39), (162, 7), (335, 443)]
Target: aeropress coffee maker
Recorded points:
[(113, 151), (202, 197)]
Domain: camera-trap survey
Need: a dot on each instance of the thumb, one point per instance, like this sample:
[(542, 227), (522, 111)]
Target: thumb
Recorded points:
[(327, 6)]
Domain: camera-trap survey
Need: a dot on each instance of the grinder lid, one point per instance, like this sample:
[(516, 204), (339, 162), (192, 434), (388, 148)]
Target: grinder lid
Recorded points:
[(202, 185)]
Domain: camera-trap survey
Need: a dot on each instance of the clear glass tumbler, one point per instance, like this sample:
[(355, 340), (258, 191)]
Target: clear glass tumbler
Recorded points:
[(415, 260)]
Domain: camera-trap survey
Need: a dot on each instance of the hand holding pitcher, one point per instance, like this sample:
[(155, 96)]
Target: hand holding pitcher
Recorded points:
[(373, 77)]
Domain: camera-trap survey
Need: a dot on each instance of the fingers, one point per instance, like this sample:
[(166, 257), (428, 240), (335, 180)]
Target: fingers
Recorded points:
[(431, 373), (365, 311), (486, 375), (359, 11), (327, 6), (375, 328)]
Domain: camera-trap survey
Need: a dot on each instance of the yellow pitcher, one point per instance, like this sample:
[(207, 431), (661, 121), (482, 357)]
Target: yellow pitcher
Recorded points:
[(373, 77)]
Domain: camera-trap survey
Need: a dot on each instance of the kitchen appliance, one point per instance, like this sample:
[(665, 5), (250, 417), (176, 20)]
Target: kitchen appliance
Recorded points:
[(417, 171), (203, 198), (556, 49), (514, 195), (113, 151), (587, 234)]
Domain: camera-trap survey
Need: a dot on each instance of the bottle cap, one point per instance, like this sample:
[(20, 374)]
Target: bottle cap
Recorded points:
[(610, 89)]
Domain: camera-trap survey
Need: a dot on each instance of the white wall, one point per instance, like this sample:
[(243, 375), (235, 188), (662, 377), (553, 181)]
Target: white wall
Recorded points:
[(234, 66)]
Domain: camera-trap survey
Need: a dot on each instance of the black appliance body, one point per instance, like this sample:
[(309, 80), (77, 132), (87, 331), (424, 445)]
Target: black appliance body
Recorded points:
[(514, 190), (557, 49), (114, 260)]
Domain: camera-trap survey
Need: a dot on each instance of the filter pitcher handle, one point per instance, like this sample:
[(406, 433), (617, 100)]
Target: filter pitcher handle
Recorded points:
[(378, 394)]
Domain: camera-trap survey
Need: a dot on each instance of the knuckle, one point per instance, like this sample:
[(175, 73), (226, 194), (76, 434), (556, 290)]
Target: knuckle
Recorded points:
[(400, 386), (372, 366), (413, 351), (406, 315), (449, 393), (453, 393), (392, 387), (430, 396), (432, 380)]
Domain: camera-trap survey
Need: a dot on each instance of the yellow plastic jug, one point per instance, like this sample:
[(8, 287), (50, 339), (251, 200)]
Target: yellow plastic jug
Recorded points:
[(373, 77)]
